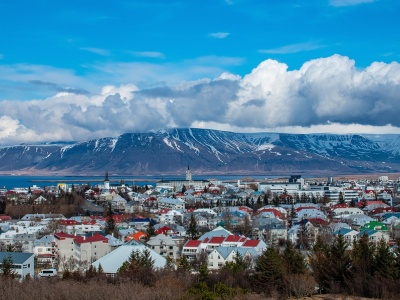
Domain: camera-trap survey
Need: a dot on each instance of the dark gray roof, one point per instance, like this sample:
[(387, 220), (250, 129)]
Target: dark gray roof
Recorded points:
[(17, 257)]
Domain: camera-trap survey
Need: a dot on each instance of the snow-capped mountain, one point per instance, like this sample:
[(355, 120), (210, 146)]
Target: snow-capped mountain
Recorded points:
[(208, 152)]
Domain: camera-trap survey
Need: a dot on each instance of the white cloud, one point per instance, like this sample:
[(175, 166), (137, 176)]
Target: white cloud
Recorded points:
[(348, 2), (97, 51), (219, 35), (293, 48), (150, 54), (324, 95)]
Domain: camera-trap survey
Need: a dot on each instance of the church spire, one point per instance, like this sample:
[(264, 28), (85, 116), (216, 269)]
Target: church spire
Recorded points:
[(106, 182), (106, 179), (188, 174)]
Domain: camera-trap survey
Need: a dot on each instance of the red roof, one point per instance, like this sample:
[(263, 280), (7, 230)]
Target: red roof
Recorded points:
[(92, 222), (317, 221), (63, 236), (192, 243), (5, 218), (91, 239), (163, 230), (245, 208), (251, 243), (233, 238), (371, 202), (163, 211), (217, 240), (276, 212), (68, 222)]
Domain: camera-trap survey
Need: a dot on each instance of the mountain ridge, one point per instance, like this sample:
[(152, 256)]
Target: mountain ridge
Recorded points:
[(209, 151)]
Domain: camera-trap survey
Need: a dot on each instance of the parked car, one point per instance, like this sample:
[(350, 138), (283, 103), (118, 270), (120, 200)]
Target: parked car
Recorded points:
[(48, 273)]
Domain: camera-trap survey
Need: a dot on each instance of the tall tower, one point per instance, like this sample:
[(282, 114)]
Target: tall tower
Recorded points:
[(188, 174), (106, 182)]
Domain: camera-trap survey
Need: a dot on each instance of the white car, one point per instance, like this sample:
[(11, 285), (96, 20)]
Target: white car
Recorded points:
[(48, 273)]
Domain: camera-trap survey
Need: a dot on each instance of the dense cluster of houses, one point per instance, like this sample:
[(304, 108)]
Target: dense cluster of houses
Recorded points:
[(232, 218)]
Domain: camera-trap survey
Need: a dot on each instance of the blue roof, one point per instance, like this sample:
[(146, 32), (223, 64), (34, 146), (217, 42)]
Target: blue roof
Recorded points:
[(392, 214), (342, 231), (224, 251), (367, 232), (17, 257)]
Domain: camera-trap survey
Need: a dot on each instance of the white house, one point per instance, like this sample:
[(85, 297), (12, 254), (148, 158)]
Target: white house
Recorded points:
[(23, 263), (343, 211), (171, 203), (218, 257), (191, 248), (164, 245), (349, 236)]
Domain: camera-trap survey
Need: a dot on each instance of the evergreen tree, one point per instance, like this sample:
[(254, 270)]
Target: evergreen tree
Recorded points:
[(7, 267), (268, 271), (2, 206), (138, 260), (304, 238), (293, 259), (313, 199), (275, 200), (320, 264), (100, 269), (90, 272), (192, 231), (362, 257), (169, 265), (203, 273), (397, 258), (265, 200), (341, 198), (184, 263), (110, 222), (384, 262), (150, 230), (259, 202), (238, 264), (247, 202), (340, 261), (10, 248)]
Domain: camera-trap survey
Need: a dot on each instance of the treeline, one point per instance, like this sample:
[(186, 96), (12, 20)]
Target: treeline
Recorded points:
[(68, 204), (367, 270)]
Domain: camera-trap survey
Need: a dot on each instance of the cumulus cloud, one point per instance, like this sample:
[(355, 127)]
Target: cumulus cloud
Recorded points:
[(324, 95)]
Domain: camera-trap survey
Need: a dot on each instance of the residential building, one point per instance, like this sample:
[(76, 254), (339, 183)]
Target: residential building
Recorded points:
[(23, 263), (164, 245)]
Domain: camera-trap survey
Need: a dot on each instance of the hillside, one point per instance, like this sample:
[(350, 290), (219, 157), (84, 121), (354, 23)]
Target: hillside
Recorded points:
[(209, 152)]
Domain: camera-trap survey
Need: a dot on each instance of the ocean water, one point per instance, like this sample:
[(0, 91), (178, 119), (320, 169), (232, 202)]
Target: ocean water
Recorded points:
[(24, 181)]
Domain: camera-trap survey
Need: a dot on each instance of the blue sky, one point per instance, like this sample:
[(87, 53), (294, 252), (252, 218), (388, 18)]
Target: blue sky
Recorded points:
[(232, 58)]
